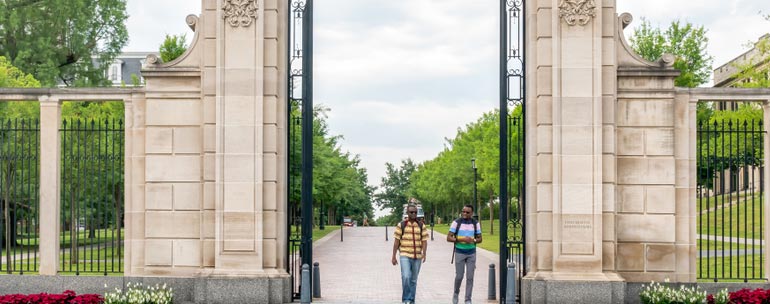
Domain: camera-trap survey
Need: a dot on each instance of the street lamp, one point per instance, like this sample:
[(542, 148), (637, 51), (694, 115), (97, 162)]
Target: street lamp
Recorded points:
[(475, 199)]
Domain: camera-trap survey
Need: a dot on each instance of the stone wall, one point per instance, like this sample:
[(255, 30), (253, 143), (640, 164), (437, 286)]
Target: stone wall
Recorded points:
[(649, 160)]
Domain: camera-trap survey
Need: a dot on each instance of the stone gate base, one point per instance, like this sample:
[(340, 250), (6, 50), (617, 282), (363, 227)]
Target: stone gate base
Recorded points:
[(541, 291), (186, 290)]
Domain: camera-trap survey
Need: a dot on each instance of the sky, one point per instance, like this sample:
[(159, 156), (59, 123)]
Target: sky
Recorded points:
[(400, 76)]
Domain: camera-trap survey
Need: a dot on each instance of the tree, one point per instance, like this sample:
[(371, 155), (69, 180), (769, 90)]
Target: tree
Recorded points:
[(16, 180), (394, 186), (62, 41), (173, 47), (339, 182), (686, 42)]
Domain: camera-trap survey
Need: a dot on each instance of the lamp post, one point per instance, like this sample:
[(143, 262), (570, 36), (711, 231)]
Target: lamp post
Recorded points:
[(475, 199)]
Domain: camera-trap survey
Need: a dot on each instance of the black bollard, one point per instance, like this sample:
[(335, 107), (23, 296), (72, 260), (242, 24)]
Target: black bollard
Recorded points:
[(510, 289), (304, 286), (342, 236), (316, 281), (386, 233), (492, 295)]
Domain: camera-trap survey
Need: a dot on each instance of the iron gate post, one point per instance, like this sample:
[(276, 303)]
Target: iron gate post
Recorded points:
[(503, 145), (307, 135)]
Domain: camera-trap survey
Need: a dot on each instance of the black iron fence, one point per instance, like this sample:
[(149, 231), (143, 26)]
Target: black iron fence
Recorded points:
[(730, 200), (19, 204), (92, 165)]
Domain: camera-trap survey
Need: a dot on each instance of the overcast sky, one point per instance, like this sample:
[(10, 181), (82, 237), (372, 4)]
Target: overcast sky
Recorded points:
[(402, 75)]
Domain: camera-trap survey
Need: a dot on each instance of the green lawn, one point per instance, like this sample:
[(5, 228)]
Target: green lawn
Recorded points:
[(717, 245), (736, 221), (89, 260), (489, 242), (707, 203), (318, 233), (729, 269), (65, 240)]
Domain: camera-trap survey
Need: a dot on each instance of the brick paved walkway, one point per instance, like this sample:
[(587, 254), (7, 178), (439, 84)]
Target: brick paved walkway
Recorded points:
[(358, 270)]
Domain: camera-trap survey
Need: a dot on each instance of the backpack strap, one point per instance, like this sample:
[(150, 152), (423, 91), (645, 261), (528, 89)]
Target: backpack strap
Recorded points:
[(419, 224)]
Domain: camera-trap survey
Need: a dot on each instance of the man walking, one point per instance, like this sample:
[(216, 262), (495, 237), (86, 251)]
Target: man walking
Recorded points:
[(411, 240), (465, 233)]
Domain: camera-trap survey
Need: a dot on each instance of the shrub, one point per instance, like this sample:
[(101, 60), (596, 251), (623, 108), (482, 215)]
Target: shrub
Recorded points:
[(67, 297), (138, 294)]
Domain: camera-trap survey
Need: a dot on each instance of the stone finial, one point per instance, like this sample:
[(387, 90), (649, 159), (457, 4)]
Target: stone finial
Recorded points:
[(577, 11), (239, 12), (152, 59), (626, 19), (667, 60), (192, 21)]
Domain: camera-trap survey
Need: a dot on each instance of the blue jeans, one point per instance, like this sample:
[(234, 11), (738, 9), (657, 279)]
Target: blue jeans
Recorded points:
[(410, 269)]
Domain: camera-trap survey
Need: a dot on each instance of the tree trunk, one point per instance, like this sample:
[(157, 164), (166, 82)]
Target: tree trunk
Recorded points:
[(491, 215), (73, 230), (9, 235), (118, 198)]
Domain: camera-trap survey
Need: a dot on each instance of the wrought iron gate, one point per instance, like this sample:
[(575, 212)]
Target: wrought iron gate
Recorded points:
[(300, 139), (19, 195), (512, 143), (730, 200), (92, 209)]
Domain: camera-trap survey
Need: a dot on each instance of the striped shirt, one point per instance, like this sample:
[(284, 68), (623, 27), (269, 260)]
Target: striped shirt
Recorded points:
[(466, 229), (411, 239)]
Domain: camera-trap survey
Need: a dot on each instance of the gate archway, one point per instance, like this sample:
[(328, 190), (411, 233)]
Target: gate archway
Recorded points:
[(512, 197)]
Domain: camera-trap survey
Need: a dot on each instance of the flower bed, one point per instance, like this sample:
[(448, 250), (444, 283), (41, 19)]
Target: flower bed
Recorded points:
[(747, 296), (656, 293), (136, 293), (67, 297)]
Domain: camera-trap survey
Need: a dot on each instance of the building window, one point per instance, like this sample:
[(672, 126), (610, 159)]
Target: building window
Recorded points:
[(114, 73)]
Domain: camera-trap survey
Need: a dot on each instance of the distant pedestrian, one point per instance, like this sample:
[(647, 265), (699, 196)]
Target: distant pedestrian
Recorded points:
[(465, 233), (411, 240)]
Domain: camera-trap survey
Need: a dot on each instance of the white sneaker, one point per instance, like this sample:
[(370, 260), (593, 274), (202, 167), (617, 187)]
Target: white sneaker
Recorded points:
[(455, 299)]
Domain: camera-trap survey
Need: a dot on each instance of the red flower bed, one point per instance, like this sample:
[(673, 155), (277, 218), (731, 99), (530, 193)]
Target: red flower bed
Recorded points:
[(748, 296), (67, 297)]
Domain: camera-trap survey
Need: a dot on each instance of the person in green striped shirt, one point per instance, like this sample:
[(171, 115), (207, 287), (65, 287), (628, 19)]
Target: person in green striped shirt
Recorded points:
[(465, 233)]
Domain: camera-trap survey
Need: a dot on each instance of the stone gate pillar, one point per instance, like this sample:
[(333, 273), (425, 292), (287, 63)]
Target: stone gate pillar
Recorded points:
[(571, 92)]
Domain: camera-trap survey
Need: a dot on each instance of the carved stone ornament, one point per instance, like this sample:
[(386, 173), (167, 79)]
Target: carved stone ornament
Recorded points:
[(577, 11), (239, 12)]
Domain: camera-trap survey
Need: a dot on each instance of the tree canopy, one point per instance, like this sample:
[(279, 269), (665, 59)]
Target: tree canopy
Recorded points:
[(172, 47), (339, 182), (687, 42), (62, 41), (445, 183)]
